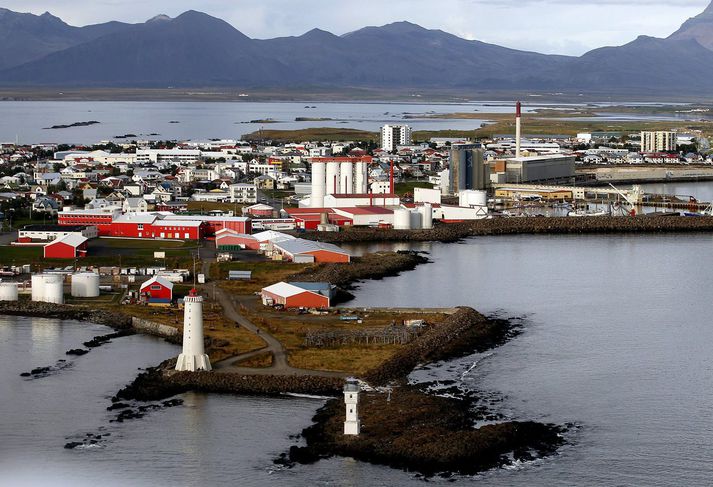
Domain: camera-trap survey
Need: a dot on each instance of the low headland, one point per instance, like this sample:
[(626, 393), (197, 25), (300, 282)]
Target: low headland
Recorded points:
[(409, 428)]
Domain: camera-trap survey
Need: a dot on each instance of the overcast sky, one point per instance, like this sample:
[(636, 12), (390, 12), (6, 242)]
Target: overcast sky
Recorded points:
[(550, 26)]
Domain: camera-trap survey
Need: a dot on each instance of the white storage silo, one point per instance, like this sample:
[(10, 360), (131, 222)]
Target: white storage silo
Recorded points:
[(8, 291), (402, 219), (426, 216), (38, 287), (332, 177), (416, 219), (319, 184), (472, 198), (85, 285), (346, 184), (53, 288), (360, 178)]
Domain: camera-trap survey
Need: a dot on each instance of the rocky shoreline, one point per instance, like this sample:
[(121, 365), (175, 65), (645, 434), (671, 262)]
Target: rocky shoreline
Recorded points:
[(421, 432), (521, 226), (117, 321)]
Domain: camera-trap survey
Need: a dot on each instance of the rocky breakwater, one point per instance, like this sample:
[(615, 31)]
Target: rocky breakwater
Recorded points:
[(514, 226), (421, 432), (118, 321), (162, 382)]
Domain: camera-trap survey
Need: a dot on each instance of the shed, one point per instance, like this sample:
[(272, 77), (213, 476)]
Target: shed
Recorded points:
[(322, 252), (68, 247), (158, 290), (229, 240)]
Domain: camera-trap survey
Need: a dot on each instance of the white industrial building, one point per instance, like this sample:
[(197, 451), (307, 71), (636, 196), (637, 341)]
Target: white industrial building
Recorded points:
[(395, 135), (339, 175), (176, 156)]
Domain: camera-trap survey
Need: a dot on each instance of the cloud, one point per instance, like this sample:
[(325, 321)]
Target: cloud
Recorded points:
[(552, 26)]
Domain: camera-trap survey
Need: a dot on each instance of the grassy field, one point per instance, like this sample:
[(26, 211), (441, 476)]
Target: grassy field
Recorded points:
[(12, 255), (322, 134), (291, 328), (263, 274), (206, 206), (408, 187)]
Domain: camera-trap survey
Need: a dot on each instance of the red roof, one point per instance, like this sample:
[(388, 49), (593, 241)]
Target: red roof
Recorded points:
[(367, 210), (366, 195), (342, 159)]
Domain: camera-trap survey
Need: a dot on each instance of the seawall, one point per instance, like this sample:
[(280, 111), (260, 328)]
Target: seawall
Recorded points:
[(516, 226)]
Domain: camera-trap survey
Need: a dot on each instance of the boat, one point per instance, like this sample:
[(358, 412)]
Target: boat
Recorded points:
[(588, 213)]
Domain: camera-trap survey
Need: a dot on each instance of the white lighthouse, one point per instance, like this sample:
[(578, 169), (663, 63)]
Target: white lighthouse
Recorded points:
[(193, 357), (352, 425)]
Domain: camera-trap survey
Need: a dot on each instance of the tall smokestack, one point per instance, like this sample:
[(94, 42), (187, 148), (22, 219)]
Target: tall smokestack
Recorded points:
[(391, 178), (518, 128)]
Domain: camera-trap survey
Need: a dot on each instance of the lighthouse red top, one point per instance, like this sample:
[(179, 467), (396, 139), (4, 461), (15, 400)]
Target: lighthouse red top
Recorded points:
[(518, 110), (193, 292)]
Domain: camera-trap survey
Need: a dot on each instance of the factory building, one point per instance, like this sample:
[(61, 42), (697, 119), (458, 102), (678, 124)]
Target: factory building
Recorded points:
[(68, 247), (658, 141), (101, 218), (468, 169), (338, 175), (214, 224), (536, 169), (395, 135)]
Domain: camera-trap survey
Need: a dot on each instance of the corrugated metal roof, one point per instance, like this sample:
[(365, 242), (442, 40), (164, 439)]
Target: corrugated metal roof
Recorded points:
[(272, 236), (158, 280), (284, 289), (301, 246), (73, 240)]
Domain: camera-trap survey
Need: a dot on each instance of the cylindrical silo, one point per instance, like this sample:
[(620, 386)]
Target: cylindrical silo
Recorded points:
[(319, 184), (8, 291), (85, 285), (38, 287), (360, 178), (332, 177), (53, 288), (426, 216), (402, 219), (481, 198), (346, 171), (416, 219)]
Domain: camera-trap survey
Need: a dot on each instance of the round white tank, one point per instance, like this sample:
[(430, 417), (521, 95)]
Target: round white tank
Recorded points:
[(402, 219), (319, 184), (85, 285), (426, 216), (416, 220), (38, 287), (8, 291), (53, 288), (481, 198), (332, 177), (346, 184)]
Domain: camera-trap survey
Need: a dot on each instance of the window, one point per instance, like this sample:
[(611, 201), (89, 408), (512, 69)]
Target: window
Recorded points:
[(155, 287)]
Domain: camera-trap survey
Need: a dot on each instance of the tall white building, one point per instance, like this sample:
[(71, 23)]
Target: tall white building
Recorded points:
[(659, 141), (193, 357), (395, 135)]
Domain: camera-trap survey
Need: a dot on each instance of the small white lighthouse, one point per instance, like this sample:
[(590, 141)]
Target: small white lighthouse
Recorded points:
[(193, 357), (352, 425)]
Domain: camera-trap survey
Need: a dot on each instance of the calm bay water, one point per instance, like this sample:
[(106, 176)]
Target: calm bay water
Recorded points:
[(205, 120), (617, 339)]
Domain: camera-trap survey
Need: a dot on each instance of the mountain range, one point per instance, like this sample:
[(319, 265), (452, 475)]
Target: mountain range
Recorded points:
[(197, 50)]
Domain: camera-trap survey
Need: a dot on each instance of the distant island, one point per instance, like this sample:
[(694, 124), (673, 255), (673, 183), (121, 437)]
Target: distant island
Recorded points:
[(75, 124)]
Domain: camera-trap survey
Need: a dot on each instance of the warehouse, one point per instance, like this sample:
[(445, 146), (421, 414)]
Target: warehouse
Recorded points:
[(101, 218), (68, 247), (307, 250), (367, 215), (230, 240), (157, 290), (48, 233), (298, 295), (214, 224)]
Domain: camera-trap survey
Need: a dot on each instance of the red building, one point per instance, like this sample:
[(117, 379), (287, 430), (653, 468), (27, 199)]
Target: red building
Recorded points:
[(214, 224), (310, 218), (231, 240), (158, 290), (68, 247), (99, 218), (291, 295), (148, 225)]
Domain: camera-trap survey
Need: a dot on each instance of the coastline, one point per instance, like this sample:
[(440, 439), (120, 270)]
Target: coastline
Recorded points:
[(449, 233)]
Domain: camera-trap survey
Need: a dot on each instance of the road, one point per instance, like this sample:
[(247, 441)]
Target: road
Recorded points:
[(230, 305)]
